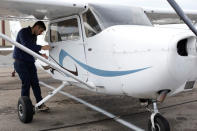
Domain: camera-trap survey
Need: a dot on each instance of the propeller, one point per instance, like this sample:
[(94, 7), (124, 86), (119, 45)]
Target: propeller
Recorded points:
[(182, 15)]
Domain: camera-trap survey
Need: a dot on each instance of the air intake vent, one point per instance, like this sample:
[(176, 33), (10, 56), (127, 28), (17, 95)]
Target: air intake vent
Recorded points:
[(189, 85), (182, 47)]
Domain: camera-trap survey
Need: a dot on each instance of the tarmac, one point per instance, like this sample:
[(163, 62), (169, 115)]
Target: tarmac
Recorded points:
[(68, 115)]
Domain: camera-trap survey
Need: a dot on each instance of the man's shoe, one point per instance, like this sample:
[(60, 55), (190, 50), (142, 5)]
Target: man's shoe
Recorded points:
[(43, 107)]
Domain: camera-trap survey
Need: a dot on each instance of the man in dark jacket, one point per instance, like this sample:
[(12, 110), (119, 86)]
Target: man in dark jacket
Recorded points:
[(24, 63)]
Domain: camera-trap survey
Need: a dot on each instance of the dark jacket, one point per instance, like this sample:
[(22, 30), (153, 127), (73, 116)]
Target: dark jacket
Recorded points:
[(26, 38)]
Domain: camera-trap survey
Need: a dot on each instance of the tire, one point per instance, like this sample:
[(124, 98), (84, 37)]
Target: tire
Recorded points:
[(161, 124), (25, 109)]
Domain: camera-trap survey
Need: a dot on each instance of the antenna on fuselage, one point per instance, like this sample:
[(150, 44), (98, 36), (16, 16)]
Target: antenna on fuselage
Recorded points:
[(182, 15)]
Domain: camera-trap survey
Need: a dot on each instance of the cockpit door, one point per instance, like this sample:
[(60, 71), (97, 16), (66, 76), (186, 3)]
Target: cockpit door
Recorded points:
[(68, 47)]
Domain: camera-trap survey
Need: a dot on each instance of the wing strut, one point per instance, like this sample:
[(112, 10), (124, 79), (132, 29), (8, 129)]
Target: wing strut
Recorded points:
[(89, 86), (182, 15), (110, 115)]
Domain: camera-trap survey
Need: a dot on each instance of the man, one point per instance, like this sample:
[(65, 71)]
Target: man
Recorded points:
[(24, 63)]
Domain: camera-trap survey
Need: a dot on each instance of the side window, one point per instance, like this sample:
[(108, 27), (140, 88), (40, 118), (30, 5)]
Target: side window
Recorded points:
[(90, 24), (64, 30)]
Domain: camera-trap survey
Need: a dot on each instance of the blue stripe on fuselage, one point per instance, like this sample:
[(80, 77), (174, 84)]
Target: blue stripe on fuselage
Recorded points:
[(95, 71)]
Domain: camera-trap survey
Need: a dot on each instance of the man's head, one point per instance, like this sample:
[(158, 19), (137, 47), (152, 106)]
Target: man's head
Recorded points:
[(38, 28)]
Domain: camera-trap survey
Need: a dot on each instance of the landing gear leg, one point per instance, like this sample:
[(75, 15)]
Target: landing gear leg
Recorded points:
[(157, 122), (25, 108)]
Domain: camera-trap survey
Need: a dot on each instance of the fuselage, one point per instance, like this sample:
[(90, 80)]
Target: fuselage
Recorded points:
[(133, 60), (151, 53), (137, 61)]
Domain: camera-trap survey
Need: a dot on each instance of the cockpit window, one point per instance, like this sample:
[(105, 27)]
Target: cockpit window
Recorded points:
[(64, 30), (90, 24), (111, 15)]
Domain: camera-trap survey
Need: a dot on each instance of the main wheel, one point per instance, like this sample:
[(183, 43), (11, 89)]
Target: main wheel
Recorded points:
[(161, 124), (25, 109)]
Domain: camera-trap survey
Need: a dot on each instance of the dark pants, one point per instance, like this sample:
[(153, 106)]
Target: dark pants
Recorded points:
[(28, 74)]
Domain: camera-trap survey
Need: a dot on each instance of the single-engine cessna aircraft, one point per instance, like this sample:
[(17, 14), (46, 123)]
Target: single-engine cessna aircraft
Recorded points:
[(112, 49)]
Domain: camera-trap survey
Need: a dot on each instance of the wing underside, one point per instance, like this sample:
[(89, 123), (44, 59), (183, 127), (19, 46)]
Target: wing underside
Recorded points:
[(40, 9), (53, 9)]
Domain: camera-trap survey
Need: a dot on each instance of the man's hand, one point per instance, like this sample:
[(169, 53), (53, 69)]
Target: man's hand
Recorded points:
[(46, 47), (45, 56)]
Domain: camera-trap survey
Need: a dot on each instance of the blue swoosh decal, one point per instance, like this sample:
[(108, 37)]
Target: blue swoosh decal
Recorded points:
[(95, 71)]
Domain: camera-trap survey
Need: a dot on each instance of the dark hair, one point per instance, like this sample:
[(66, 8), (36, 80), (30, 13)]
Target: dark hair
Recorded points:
[(40, 24)]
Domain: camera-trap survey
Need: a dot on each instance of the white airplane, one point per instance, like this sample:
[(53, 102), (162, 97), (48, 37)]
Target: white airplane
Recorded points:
[(112, 49)]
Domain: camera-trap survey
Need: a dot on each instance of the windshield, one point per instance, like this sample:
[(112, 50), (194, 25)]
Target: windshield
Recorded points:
[(90, 24), (108, 15)]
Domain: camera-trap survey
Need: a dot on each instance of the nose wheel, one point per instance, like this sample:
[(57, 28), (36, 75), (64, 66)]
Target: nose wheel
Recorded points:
[(160, 124), (157, 121), (25, 109)]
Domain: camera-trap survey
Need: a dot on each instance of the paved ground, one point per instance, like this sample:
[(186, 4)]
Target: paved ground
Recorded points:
[(69, 115)]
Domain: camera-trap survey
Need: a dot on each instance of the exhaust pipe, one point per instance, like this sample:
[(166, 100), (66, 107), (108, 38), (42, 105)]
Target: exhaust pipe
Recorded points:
[(162, 95)]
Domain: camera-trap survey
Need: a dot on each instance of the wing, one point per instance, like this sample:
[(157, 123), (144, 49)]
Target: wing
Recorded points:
[(163, 16), (52, 9), (40, 9)]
